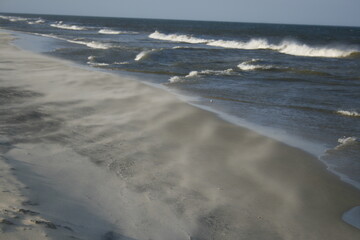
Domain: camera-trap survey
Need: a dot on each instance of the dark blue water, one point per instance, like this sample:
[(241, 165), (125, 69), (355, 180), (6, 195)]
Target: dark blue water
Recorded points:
[(299, 84)]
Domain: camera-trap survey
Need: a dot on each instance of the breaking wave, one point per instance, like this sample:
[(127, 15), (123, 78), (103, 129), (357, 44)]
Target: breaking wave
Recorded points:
[(348, 113), (286, 46), (176, 38), (193, 74), (66, 26)]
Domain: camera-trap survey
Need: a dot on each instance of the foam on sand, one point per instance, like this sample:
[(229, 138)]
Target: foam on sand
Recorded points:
[(286, 46)]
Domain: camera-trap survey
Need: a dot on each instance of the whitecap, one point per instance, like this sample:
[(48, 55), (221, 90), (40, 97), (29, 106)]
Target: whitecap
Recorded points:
[(348, 113)]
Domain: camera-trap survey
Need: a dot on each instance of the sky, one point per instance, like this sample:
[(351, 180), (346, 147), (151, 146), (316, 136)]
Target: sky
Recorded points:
[(318, 12)]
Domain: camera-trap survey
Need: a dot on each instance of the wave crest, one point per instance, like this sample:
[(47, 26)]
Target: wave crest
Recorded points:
[(176, 38), (286, 46), (143, 54)]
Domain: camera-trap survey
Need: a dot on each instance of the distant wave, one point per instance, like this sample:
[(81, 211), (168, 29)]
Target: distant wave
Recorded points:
[(286, 46), (66, 26), (13, 19), (144, 54), (193, 74), (348, 113)]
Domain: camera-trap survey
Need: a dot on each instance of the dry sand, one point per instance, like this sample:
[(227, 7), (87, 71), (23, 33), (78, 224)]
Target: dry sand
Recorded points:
[(91, 155)]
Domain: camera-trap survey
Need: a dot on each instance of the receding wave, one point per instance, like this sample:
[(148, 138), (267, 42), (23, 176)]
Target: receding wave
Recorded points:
[(194, 74), (90, 44), (348, 113), (144, 54), (286, 46), (66, 26)]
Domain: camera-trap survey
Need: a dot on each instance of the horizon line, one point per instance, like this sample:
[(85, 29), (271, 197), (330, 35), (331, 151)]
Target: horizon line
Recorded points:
[(192, 20)]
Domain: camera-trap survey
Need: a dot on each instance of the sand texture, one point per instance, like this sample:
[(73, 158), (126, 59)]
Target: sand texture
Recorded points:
[(91, 155)]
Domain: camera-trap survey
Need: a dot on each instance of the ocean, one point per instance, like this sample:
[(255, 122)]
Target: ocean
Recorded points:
[(298, 84)]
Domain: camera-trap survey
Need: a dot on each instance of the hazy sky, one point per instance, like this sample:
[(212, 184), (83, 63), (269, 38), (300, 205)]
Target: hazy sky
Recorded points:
[(324, 12)]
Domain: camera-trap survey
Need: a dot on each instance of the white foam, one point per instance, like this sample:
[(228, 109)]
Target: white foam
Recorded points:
[(286, 46), (348, 113), (66, 26), (249, 66), (109, 31), (143, 54), (176, 38), (121, 63), (95, 64), (347, 140)]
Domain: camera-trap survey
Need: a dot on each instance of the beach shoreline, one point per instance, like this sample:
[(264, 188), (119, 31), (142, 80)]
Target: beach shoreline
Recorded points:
[(179, 172)]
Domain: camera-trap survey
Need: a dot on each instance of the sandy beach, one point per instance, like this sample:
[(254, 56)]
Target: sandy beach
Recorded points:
[(93, 155)]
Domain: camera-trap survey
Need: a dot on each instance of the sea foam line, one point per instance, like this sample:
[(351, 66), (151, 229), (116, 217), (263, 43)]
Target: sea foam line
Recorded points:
[(286, 46), (91, 44)]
